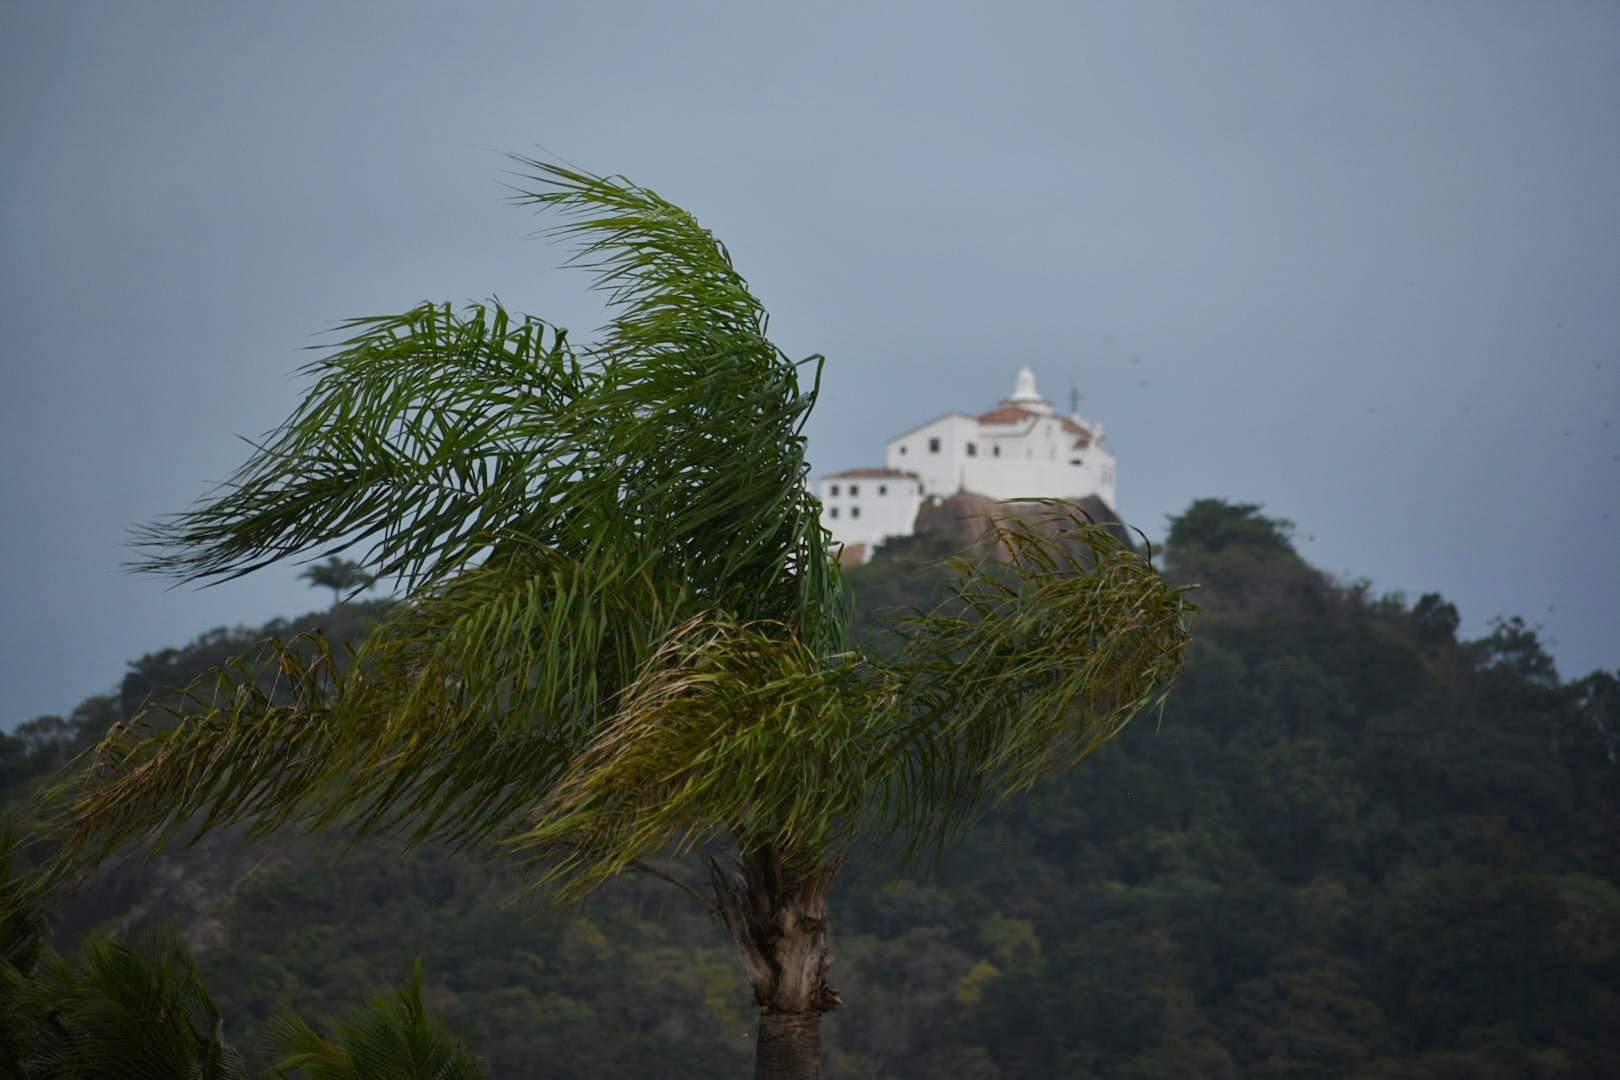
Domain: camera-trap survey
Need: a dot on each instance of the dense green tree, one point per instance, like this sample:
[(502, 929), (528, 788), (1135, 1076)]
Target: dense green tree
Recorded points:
[(623, 634), (1214, 525)]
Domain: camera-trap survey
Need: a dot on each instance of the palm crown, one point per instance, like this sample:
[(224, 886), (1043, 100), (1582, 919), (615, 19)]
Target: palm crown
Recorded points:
[(622, 631)]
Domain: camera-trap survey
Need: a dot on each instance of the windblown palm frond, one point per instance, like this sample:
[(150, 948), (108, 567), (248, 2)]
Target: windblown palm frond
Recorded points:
[(553, 515), (461, 708), (1032, 662), (393, 1039), (434, 437), (419, 437), (469, 703), (732, 729), (251, 741)]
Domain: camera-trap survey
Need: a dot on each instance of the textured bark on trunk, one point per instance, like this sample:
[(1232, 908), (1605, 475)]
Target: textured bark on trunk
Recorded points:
[(789, 1046), (778, 919)]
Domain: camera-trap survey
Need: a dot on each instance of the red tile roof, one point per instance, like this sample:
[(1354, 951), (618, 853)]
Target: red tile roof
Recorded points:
[(1012, 414), (870, 474), (1007, 414)]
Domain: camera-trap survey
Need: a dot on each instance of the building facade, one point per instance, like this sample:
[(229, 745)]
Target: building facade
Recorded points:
[(1021, 449)]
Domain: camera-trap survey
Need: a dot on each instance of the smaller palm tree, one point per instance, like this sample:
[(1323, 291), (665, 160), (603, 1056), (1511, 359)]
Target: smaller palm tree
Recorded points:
[(125, 1009), (391, 1039), (138, 1008), (341, 576)]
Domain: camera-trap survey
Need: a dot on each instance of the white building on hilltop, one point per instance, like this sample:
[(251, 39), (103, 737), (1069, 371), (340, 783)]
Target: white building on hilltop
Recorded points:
[(1022, 449)]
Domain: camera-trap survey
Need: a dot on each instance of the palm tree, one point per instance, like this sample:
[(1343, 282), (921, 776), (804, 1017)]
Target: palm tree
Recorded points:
[(392, 1039), (339, 575), (125, 1008), (622, 632)]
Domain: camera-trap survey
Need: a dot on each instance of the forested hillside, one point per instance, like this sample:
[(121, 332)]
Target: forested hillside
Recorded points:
[(1354, 845)]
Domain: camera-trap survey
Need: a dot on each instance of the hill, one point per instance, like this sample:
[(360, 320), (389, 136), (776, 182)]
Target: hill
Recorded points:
[(1353, 846)]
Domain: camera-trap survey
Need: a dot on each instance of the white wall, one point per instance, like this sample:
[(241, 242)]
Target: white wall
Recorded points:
[(868, 510), (1034, 460), (941, 470), (1011, 477)]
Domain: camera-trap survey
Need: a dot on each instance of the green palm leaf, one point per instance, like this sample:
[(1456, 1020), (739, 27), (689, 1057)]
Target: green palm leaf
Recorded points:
[(393, 1039), (732, 730), (133, 1010), (1033, 661), (553, 517)]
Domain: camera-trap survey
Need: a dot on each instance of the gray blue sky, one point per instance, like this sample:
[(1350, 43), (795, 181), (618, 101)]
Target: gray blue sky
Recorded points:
[(1358, 262)]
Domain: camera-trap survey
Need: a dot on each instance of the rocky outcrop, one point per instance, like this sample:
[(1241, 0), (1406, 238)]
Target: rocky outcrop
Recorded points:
[(963, 518)]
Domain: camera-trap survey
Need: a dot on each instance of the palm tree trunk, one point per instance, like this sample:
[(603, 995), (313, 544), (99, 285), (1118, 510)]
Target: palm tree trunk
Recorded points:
[(788, 1047), (778, 919)]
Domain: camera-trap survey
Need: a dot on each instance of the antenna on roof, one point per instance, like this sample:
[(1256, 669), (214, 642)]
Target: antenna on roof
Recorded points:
[(1074, 399)]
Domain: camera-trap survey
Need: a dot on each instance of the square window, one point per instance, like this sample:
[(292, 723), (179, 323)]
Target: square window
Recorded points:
[(973, 449), (933, 446), (995, 451), (902, 450), (832, 512), (832, 489), (854, 511), (854, 489), (883, 489)]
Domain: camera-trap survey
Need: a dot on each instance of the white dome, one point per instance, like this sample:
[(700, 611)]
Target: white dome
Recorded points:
[(1024, 387)]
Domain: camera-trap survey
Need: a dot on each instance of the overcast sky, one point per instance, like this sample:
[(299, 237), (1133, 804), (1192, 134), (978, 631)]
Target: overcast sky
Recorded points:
[(1357, 262)]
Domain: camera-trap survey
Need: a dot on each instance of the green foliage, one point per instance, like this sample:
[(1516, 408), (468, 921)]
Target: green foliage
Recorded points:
[(1027, 667), (135, 1009), (23, 946), (126, 1009), (135, 1006), (437, 439), (1213, 526), (393, 1039), (1316, 865), (123, 1009)]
